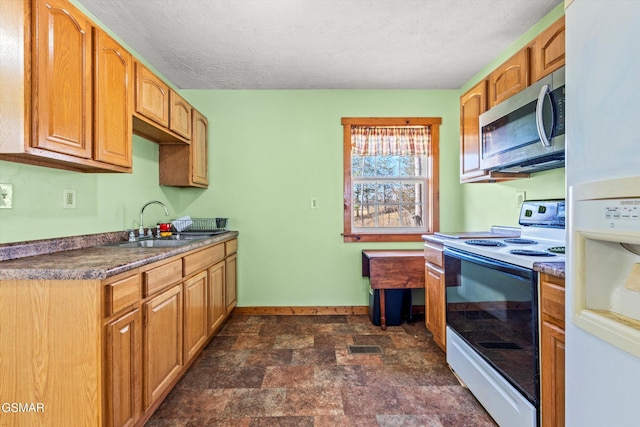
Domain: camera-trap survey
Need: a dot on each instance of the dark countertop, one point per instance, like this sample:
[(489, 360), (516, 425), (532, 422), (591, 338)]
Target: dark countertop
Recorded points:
[(552, 268), (85, 257)]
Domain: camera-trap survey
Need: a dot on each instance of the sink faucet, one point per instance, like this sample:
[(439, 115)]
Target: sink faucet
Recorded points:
[(141, 229)]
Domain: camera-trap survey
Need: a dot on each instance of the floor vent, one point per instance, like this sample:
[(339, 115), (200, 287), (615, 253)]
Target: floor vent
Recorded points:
[(502, 345), (364, 349)]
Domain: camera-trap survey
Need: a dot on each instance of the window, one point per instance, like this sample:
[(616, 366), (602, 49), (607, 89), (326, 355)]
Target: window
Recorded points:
[(390, 178)]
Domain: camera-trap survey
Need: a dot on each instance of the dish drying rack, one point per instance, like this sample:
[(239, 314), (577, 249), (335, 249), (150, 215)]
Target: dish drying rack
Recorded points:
[(199, 225)]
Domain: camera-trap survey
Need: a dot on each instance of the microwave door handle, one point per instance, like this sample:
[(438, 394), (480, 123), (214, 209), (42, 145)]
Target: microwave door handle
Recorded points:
[(544, 90)]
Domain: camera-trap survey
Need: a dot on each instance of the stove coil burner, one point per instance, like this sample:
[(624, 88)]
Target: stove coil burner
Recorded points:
[(484, 243), (557, 249), (519, 241), (528, 252)]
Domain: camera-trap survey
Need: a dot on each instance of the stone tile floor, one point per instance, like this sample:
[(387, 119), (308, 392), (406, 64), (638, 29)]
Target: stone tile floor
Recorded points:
[(297, 371)]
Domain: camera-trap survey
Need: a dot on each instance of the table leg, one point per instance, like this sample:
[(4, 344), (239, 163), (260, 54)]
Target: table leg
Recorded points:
[(383, 318)]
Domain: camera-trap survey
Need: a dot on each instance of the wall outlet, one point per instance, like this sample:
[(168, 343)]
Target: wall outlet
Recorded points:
[(69, 198), (521, 196), (6, 196)]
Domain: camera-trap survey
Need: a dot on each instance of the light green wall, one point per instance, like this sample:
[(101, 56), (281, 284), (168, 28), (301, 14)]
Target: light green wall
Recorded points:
[(271, 152), (490, 204)]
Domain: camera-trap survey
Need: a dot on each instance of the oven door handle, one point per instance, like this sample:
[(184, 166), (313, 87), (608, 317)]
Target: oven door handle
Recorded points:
[(493, 264)]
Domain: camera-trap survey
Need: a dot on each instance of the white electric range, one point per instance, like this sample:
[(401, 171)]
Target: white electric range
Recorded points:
[(492, 311), (542, 237)]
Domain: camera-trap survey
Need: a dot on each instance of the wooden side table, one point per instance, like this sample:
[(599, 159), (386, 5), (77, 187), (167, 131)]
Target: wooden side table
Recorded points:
[(393, 269)]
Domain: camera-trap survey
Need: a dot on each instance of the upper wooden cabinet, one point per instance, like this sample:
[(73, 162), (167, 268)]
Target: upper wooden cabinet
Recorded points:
[(472, 104), (69, 92), (112, 101), (509, 78), (199, 150), (179, 115), (548, 50), (64, 80), (161, 115), (152, 96), (186, 165)]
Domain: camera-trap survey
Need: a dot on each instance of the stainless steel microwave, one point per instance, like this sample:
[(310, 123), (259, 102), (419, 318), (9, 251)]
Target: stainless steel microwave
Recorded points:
[(525, 133)]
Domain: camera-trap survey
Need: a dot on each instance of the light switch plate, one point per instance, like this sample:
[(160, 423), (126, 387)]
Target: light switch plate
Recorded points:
[(521, 196), (6, 196)]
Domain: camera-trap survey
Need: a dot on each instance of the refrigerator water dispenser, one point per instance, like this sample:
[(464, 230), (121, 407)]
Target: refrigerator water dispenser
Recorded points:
[(605, 257)]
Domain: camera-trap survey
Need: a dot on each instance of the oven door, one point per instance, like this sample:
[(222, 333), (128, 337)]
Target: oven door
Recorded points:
[(492, 306)]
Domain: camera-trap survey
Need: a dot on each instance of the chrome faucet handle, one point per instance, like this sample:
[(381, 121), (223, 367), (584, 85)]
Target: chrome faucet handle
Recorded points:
[(132, 236), (157, 232)]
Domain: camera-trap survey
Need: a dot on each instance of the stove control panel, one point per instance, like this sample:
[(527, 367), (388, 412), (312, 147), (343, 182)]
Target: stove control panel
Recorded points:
[(543, 213)]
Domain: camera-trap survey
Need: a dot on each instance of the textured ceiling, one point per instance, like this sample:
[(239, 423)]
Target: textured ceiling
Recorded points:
[(319, 44)]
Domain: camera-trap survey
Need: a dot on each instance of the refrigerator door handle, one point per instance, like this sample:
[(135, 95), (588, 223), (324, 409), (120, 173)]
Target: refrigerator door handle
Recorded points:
[(544, 91)]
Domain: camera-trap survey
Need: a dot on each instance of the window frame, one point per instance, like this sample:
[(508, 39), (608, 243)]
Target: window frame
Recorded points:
[(433, 177)]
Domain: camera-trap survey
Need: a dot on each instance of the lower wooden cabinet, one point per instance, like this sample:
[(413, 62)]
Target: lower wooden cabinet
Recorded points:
[(195, 314), (552, 350), (113, 348), (230, 294), (434, 293), (216, 307), (162, 343), (435, 304), (123, 364)]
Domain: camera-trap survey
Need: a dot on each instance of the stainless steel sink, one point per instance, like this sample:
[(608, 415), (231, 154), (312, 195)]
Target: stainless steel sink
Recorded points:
[(155, 243), (168, 242)]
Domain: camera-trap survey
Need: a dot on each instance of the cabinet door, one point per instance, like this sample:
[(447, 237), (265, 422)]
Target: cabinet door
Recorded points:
[(199, 159), (179, 115), (216, 307), (152, 96), (549, 50), (472, 104), (552, 351), (435, 304), (195, 314), (509, 78), (162, 343), (112, 101), (124, 355), (230, 282), (62, 79)]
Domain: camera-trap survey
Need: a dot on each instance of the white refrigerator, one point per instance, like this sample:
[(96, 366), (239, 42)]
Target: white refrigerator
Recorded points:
[(603, 143)]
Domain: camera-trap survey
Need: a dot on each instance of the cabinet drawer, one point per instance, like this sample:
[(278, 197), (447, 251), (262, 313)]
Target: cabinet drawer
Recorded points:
[(160, 277), (552, 296), (122, 293), (203, 259), (231, 247), (434, 254)]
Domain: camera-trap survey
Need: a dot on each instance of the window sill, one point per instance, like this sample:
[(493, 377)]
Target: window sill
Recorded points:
[(356, 238)]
